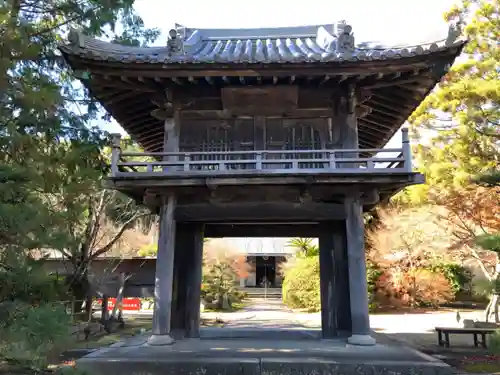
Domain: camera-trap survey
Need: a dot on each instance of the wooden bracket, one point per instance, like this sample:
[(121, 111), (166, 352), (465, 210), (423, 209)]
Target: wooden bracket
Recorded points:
[(370, 197)]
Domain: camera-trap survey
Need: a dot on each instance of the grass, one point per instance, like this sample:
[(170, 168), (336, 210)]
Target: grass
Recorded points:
[(482, 368), (479, 364), (133, 327)]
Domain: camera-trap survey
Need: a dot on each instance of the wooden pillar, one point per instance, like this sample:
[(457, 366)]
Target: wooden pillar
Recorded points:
[(185, 319), (328, 287), (181, 266), (334, 280), (341, 271), (358, 288), (193, 280), (164, 274)]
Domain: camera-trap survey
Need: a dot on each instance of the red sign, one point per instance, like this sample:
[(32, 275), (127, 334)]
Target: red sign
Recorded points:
[(128, 304)]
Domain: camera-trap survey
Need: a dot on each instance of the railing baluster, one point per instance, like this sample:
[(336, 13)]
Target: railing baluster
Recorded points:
[(292, 160), (258, 161), (115, 153), (406, 150), (332, 162)]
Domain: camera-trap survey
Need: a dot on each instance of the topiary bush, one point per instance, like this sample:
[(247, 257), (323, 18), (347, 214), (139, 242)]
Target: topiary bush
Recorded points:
[(301, 288)]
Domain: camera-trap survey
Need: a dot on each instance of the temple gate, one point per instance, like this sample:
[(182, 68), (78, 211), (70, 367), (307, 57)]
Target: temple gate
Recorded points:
[(261, 132)]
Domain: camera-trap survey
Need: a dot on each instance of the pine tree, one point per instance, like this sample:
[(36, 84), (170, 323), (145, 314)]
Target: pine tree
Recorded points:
[(462, 115), (52, 160)]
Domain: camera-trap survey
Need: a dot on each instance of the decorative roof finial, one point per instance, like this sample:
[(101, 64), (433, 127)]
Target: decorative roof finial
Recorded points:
[(345, 37), (76, 38), (175, 43), (455, 30)]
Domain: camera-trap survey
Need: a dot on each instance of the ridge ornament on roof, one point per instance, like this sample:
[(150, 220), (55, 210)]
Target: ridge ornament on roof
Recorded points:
[(345, 38), (175, 41)]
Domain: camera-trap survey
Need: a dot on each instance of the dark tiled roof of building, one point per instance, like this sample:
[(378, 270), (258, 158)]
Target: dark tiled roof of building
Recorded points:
[(269, 45)]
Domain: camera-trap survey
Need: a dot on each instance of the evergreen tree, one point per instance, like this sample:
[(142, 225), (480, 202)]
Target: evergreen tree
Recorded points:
[(462, 115), (52, 159)]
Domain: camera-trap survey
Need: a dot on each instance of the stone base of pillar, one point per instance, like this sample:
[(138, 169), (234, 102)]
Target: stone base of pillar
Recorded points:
[(160, 340), (361, 340)]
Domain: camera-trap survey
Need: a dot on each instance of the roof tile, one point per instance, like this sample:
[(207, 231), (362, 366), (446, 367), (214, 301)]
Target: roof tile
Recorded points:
[(278, 45)]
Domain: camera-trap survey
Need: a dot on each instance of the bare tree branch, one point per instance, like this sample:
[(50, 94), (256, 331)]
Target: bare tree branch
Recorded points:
[(117, 236)]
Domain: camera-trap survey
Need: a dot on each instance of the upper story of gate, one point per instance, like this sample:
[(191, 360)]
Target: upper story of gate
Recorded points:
[(288, 100)]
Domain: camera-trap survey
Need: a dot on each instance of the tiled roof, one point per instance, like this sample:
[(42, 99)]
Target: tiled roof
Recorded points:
[(322, 43)]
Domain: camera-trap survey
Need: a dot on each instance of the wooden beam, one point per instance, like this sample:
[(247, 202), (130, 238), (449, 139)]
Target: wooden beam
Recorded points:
[(223, 114), (116, 82), (262, 229), (262, 69), (259, 211)]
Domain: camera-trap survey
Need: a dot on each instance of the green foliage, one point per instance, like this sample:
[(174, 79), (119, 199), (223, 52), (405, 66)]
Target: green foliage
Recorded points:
[(221, 269), (32, 327), (373, 273), (462, 115), (149, 250), (32, 335), (458, 276), (489, 242), (52, 162), (494, 342), (301, 288), (304, 246), (25, 279), (488, 179)]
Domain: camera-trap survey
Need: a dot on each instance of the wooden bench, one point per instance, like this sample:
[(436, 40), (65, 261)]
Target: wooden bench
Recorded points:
[(446, 331)]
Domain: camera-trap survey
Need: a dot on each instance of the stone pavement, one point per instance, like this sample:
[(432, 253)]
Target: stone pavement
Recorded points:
[(416, 329), (266, 337)]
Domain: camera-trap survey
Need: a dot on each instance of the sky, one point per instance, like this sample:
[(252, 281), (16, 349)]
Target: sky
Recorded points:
[(388, 22)]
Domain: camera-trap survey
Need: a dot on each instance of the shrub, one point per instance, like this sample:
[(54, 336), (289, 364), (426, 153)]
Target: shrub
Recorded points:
[(373, 273), (420, 287), (149, 250), (301, 288), (222, 267), (32, 336), (33, 326), (494, 342), (458, 276)]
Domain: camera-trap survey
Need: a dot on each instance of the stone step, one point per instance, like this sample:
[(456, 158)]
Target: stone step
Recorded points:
[(256, 357)]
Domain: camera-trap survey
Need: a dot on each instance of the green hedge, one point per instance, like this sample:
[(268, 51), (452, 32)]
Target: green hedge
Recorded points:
[(301, 285)]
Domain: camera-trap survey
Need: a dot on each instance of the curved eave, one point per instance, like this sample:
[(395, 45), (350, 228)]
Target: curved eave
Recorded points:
[(128, 96), (347, 63), (269, 50)]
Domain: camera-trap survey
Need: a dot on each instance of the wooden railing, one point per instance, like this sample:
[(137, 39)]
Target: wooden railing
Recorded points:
[(265, 161)]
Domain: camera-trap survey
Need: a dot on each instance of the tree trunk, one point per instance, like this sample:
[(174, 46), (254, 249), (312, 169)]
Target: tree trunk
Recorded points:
[(492, 307), (79, 286), (119, 298)]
